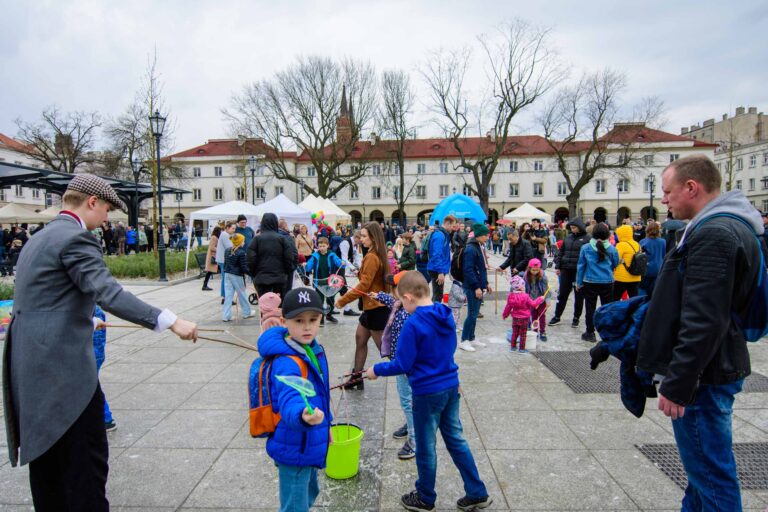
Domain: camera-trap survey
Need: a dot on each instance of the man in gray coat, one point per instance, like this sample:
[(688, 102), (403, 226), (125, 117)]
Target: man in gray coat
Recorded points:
[(53, 402)]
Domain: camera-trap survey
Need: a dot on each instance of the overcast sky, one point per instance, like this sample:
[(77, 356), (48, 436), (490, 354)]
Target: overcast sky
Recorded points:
[(701, 58)]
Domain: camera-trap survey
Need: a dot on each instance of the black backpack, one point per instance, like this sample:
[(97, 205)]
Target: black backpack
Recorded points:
[(457, 264), (639, 264)]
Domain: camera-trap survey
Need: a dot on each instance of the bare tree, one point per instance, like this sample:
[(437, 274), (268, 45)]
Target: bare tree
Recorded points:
[(127, 139), (520, 68), (298, 110), (579, 126), (61, 141), (394, 119)]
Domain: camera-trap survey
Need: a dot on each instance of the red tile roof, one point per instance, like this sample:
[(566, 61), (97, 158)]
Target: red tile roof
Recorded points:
[(13, 144), (229, 147), (624, 133)]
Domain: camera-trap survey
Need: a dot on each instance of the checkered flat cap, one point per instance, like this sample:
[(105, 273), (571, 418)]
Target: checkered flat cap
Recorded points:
[(95, 186)]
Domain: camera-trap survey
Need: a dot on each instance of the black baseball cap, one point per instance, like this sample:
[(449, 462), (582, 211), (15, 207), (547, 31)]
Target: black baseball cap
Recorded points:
[(299, 300)]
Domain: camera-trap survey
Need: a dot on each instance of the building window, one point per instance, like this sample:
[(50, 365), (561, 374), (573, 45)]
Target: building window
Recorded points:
[(261, 193), (647, 185), (562, 188), (421, 191), (196, 172), (376, 170), (538, 189), (538, 165), (396, 192), (179, 197), (623, 185), (421, 168), (513, 166), (217, 171), (311, 172), (623, 159), (492, 190), (239, 193), (673, 157), (443, 168), (354, 192), (765, 205), (443, 190), (196, 194), (467, 190), (765, 184), (751, 183), (599, 186), (36, 193), (738, 184), (648, 160), (19, 191), (240, 170), (514, 190), (376, 193), (752, 160), (218, 194), (739, 164), (279, 190)]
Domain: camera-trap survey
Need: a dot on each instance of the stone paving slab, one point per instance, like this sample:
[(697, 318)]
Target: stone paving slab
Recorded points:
[(183, 444)]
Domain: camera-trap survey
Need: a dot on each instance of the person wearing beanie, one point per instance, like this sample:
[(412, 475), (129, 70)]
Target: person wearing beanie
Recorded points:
[(519, 305), (475, 281), (537, 285), (243, 229), (235, 269)]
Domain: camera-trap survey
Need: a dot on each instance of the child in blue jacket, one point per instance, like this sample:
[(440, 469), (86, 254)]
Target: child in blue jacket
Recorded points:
[(425, 353), (299, 444), (594, 274), (322, 264)]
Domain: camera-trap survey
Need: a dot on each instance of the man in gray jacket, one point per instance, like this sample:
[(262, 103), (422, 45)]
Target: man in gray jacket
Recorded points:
[(54, 406)]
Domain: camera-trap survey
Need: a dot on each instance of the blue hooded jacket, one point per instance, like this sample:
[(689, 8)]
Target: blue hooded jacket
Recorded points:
[(295, 442), (591, 269), (475, 273), (313, 265), (425, 351), (439, 252)]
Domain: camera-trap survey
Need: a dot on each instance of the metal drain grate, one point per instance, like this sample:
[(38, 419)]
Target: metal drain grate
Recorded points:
[(573, 369), (751, 463)]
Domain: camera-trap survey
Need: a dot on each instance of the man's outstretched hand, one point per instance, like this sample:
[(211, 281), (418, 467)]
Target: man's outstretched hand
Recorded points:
[(184, 329)]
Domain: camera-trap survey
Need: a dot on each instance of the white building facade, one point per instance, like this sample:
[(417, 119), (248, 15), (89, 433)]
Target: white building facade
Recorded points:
[(12, 151)]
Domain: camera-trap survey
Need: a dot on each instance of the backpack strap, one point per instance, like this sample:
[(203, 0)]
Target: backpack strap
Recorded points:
[(302, 366), (633, 255)]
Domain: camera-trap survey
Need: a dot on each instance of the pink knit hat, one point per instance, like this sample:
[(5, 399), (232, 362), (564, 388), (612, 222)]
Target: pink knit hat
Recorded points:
[(517, 284), (534, 263)]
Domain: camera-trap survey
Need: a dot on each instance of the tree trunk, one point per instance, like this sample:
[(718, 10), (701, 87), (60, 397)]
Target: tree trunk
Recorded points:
[(484, 202), (573, 200)]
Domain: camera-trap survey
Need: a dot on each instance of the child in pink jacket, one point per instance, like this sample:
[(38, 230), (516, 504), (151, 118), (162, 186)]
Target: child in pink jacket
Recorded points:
[(519, 305)]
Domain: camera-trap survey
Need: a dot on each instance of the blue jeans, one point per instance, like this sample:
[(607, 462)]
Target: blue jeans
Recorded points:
[(235, 284), (100, 354), (473, 309), (406, 403), (298, 487), (221, 271), (705, 442), (441, 410)]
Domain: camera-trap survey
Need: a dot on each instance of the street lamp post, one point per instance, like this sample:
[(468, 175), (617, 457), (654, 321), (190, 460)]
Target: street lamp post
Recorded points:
[(136, 167), (157, 123), (618, 203), (651, 189), (252, 161)]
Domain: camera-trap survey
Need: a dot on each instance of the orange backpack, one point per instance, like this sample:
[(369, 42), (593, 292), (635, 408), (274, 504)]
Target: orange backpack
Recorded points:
[(262, 418)]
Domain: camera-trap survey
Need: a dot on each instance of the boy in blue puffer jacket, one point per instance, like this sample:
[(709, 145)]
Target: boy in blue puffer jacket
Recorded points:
[(425, 353), (299, 444)]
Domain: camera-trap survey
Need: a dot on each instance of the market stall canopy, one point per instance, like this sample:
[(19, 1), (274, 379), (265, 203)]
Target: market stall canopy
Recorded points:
[(17, 214), (526, 213), (286, 209), (460, 206), (333, 214)]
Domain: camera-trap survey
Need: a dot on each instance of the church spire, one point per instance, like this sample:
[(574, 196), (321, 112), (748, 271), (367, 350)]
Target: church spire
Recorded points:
[(343, 101)]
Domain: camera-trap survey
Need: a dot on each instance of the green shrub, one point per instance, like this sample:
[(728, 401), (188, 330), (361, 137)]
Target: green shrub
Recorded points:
[(147, 266), (6, 291)]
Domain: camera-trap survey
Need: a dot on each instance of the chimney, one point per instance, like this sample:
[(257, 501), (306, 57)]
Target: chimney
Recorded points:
[(739, 111), (694, 127), (683, 130), (373, 139), (753, 110), (725, 117)]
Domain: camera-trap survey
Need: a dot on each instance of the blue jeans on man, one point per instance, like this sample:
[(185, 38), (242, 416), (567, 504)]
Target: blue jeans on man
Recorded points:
[(406, 404), (441, 410), (473, 309), (298, 487), (705, 441)]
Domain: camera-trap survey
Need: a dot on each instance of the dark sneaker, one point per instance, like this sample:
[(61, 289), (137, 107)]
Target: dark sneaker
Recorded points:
[(401, 433), (589, 336), (207, 289), (543, 337), (351, 313), (467, 503), (574, 324), (110, 426), (480, 315), (554, 320), (406, 452), (331, 319), (413, 502)]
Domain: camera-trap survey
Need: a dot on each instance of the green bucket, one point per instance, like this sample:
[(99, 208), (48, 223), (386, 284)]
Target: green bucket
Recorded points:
[(343, 457)]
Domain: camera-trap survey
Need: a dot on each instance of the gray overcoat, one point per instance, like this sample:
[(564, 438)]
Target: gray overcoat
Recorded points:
[(49, 369)]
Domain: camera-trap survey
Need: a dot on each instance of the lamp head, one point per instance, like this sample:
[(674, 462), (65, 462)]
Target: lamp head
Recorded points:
[(157, 124)]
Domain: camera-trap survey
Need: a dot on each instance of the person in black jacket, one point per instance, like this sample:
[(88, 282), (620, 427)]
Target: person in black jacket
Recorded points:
[(566, 261), (271, 258), (689, 336), (520, 252)]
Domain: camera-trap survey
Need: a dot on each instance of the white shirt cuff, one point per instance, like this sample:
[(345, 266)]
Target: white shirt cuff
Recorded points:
[(164, 320), (95, 320)]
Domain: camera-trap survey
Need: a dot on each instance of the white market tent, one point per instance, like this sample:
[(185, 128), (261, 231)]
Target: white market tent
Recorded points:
[(526, 213), (286, 209), (17, 214), (333, 214)]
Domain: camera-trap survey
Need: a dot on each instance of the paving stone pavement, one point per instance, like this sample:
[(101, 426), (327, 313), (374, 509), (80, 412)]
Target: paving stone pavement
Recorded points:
[(182, 441)]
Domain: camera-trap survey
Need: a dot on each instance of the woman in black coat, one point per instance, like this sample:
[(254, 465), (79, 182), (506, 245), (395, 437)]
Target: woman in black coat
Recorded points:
[(271, 257)]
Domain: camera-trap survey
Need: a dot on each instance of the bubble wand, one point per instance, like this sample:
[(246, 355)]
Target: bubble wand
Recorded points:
[(300, 384)]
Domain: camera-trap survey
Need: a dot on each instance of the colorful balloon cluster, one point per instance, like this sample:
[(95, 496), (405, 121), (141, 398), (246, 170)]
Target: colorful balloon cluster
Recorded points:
[(5, 315), (318, 218)]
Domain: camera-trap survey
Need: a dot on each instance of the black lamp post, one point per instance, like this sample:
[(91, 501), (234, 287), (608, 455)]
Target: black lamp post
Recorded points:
[(618, 204), (136, 167), (157, 123), (252, 160), (651, 189)]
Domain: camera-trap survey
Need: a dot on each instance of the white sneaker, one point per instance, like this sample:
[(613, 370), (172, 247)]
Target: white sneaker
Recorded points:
[(466, 345), (249, 315), (479, 343)]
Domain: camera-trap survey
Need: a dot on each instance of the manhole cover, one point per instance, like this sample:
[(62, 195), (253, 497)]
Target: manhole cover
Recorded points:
[(751, 463), (573, 369)]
